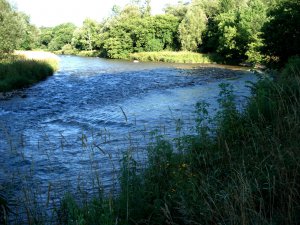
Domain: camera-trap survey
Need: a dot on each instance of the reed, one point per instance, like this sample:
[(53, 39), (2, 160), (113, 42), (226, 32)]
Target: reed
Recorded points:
[(174, 57), (17, 72)]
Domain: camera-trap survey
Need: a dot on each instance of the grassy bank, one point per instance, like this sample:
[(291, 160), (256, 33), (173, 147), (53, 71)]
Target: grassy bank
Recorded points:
[(26, 68), (163, 56), (173, 57), (72, 51), (240, 168)]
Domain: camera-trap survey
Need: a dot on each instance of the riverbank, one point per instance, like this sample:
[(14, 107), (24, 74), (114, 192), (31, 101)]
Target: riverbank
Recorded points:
[(163, 56), (174, 57), (240, 168), (25, 68)]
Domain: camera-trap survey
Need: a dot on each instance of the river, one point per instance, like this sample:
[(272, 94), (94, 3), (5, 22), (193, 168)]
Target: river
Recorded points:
[(65, 131)]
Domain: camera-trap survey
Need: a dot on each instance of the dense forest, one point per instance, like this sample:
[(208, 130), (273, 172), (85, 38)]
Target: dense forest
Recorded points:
[(253, 31)]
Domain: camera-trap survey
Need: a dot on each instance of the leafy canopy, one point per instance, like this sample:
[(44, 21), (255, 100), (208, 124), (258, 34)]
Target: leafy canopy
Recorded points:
[(11, 29)]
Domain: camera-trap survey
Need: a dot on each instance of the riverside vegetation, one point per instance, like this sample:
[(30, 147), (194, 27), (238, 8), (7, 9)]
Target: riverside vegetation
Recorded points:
[(240, 167), (235, 31), (173, 57), (18, 72)]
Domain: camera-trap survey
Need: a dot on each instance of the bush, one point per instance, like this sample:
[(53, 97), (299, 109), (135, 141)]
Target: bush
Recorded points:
[(241, 170), (281, 34)]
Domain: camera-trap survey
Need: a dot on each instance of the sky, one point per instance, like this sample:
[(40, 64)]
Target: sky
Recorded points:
[(53, 12)]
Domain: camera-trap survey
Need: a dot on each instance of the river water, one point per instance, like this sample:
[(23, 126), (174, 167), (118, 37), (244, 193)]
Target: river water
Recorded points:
[(68, 129)]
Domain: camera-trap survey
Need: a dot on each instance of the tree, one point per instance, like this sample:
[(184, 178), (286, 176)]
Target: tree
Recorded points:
[(251, 21), (192, 27), (166, 27), (11, 30), (179, 10), (132, 31), (85, 37), (119, 46), (116, 9), (147, 8), (130, 11), (62, 35), (281, 34), (154, 33), (30, 39), (45, 37), (239, 31)]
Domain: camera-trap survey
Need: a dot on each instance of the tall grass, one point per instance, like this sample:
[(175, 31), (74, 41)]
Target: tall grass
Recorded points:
[(16, 73), (173, 57), (4, 209)]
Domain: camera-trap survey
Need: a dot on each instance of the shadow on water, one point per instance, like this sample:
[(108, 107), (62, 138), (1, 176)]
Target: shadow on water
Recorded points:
[(74, 127)]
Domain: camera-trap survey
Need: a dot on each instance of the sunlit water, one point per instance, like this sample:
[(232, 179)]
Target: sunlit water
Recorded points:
[(78, 122)]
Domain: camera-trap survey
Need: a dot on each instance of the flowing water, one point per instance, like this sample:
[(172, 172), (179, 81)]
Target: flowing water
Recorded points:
[(64, 130)]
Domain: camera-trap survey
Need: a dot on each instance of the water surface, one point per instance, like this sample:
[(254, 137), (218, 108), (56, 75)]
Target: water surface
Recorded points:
[(81, 119)]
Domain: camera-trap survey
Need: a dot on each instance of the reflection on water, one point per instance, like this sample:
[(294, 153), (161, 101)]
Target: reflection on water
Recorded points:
[(81, 119)]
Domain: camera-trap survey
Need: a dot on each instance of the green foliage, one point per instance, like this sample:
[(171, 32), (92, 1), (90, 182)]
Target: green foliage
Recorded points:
[(192, 27), (129, 12), (45, 36), (147, 8), (119, 46), (242, 170), (68, 50), (166, 27), (140, 34), (178, 10), (86, 37), (239, 31), (292, 67), (62, 35), (96, 212), (281, 34), (11, 29), (30, 35), (230, 28)]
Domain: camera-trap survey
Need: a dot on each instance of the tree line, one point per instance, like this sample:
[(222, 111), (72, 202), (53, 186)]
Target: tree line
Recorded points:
[(237, 30)]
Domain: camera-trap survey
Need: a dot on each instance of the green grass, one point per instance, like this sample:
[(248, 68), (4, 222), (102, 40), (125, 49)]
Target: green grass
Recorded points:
[(79, 53), (240, 168), (16, 73), (174, 57)]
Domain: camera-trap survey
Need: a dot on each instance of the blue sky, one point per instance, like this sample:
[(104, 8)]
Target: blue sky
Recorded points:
[(54, 12)]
